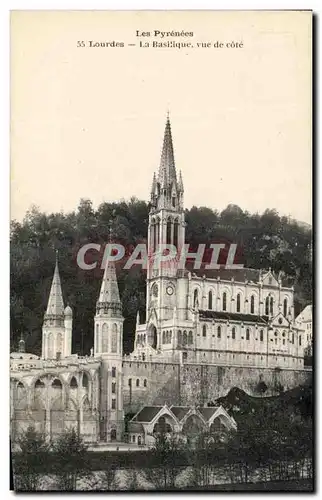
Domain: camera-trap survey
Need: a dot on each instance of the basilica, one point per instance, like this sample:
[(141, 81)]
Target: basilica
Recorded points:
[(203, 334)]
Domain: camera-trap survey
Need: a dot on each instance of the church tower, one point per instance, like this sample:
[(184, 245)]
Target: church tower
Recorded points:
[(56, 338), (108, 345), (166, 227)]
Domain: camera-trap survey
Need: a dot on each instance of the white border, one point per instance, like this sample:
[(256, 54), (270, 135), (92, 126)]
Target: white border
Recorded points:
[(5, 7)]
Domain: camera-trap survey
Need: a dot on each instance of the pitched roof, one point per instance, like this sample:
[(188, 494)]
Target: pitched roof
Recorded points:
[(180, 411), (228, 316), (135, 427), (147, 414), (239, 275), (207, 412), (55, 304)]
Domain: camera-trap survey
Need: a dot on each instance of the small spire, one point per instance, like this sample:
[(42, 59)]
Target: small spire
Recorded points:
[(138, 318), (55, 302), (180, 183), (154, 182), (109, 298)]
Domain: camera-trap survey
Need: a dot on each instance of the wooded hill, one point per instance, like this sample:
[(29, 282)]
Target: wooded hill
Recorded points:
[(264, 240)]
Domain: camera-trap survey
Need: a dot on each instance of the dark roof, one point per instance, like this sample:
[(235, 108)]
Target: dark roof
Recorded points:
[(208, 412), (147, 414), (228, 316), (135, 427), (180, 411)]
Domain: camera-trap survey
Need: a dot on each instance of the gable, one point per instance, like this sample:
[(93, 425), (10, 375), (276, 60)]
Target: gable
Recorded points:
[(280, 321), (269, 279)]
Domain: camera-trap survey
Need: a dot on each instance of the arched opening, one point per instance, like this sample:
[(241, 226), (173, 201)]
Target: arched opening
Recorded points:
[(219, 332), (175, 233), (252, 304), (224, 301), (190, 338), (73, 383), (163, 337), (195, 298), (114, 338), (285, 307), (218, 426), (210, 300), (267, 306), (179, 338), (238, 302), (139, 440), (162, 426), (113, 435), (261, 335), (137, 382), (169, 232), (204, 330), (105, 337), (185, 337), (247, 334), (152, 336), (85, 380), (233, 333), (271, 305), (193, 427), (39, 384), (57, 384)]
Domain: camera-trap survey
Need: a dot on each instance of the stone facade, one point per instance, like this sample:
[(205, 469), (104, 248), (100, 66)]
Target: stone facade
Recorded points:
[(203, 334)]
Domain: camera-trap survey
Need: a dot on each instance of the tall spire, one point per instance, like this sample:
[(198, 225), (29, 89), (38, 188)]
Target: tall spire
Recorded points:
[(167, 170), (109, 298), (55, 303)]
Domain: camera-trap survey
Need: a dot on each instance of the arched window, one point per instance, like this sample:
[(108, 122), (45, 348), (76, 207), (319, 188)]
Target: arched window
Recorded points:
[(224, 301), (85, 380), (175, 233), (39, 384), (252, 304), (130, 382), (59, 343), (271, 305), (114, 338), (113, 387), (238, 302), (73, 382), (285, 307), (261, 335), (300, 340), (169, 232), (267, 306), (137, 382), (204, 330), (210, 300), (96, 338), (185, 337), (293, 338), (163, 337), (57, 384), (179, 337), (105, 337), (145, 383), (190, 338), (233, 333), (113, 371), (195, 298), (219, 332), (247, 334)]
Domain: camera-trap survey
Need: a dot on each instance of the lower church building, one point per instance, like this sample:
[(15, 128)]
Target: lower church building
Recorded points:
[(204, 333)]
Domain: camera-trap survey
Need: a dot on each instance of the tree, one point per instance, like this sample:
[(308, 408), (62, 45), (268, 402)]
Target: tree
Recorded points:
[(29, 462), (168, 453), (71, 460)]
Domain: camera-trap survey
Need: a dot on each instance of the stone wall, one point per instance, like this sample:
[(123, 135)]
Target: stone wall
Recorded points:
[(199, 384)]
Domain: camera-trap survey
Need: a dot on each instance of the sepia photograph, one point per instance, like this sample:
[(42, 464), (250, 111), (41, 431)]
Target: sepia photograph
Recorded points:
[(161, 253)]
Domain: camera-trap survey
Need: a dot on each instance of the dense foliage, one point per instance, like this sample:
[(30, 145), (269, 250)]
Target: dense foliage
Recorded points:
[(264, 241)]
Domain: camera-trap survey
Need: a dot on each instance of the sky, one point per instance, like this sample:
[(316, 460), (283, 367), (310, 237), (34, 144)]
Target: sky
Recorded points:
[(88, 122)]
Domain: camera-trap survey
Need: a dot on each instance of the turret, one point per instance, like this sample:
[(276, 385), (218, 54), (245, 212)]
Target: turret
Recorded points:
[(68, 323), (53, 331)]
